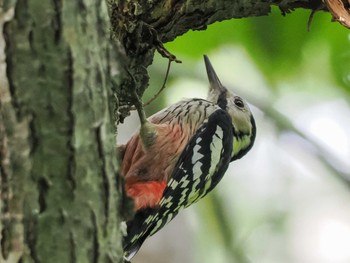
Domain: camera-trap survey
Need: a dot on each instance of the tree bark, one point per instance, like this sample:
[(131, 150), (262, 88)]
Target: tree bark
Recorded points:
[(60, 96), (59, 193)]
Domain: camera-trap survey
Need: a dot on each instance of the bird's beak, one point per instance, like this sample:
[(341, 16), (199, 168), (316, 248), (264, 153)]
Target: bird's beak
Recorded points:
[(214, 81)]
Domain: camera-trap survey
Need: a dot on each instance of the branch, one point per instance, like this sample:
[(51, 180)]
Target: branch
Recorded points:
[(340, 11), (142, 26)]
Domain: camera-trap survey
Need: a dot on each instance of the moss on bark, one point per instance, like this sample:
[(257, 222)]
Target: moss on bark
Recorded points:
[(59, 165)]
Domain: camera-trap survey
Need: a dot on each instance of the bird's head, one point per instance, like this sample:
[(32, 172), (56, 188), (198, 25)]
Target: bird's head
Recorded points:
[(242, 118)]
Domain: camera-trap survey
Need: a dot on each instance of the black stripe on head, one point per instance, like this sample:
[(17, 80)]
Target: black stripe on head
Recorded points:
[(222, 100)]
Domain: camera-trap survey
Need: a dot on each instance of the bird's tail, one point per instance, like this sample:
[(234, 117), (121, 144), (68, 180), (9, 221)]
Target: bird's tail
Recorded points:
[(136, 233)]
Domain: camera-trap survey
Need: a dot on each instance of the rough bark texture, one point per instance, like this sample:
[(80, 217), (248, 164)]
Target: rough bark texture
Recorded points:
[(58, 159), (60, 191)]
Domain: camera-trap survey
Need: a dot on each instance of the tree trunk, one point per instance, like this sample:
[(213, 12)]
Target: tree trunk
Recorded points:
[(60, 190), (58, 164)]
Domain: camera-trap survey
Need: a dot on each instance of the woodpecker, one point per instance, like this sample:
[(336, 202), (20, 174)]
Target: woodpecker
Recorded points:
[(180, 154)]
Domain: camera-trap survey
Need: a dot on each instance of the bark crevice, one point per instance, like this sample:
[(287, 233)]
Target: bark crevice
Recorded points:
[(95, 241), (105, 180), (4, 176), (5, 234), (43, 187), (9, 69), (69, 74), (57, 20), (30, 236), (72, 248), (33, 138)]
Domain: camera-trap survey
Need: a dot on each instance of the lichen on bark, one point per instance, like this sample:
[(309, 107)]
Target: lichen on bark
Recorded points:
[(58, 158)]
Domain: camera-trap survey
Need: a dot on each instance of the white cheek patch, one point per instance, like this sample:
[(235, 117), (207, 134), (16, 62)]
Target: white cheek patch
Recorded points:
[(240, 118)]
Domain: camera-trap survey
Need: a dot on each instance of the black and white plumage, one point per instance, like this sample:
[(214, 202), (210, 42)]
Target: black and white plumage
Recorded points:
[(206, 135)]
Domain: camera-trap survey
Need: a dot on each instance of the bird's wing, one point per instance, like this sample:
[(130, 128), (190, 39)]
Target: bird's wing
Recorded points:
[(200, 167)]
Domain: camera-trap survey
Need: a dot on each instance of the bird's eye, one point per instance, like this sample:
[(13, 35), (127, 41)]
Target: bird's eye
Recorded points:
[(239, 102)]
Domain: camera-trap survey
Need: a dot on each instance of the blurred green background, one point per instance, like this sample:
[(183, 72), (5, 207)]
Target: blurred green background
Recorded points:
[(288, 199)]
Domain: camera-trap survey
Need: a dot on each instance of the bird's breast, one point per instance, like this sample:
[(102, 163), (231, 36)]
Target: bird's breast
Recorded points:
[(142, 167)]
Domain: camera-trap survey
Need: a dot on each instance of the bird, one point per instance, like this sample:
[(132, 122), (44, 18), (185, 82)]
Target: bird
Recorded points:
[(180, 154)]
